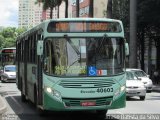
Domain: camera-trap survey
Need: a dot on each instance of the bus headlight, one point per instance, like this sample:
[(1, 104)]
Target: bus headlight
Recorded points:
[(118, 91), (49, 90), (57, 94), (123, 88), (53, 92)]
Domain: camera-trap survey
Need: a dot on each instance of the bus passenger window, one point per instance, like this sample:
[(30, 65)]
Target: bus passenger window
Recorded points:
[(46, 65)]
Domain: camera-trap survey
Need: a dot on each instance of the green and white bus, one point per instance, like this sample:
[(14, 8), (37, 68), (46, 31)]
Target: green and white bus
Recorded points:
[(7, 56), (73, 64)]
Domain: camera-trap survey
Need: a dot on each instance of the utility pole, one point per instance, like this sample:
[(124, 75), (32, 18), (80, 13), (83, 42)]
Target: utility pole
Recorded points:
[(133, 34)]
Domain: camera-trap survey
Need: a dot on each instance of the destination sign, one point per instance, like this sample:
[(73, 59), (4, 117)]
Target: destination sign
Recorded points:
[(8, 51), (84, 27)]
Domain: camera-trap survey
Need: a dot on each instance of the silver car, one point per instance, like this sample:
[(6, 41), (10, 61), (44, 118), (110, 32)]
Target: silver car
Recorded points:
[(144, 78), (8, 73), (134, 87)]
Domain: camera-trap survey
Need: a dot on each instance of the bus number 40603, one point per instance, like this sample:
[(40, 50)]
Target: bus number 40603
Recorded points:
[(104, 90)]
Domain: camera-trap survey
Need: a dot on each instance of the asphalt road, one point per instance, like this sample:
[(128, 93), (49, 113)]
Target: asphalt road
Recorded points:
[(26, 111)]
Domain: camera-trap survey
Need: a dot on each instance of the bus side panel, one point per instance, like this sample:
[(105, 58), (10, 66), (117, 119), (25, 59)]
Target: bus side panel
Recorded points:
[(18, 80), (22, 79), (31, 80)]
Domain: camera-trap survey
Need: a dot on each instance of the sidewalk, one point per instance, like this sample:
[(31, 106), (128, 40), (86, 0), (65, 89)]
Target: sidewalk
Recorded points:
[(3, 106), (156, 88)]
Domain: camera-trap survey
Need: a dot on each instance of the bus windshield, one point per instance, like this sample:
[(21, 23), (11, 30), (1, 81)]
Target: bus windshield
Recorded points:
[(98, 56), (8, 56)]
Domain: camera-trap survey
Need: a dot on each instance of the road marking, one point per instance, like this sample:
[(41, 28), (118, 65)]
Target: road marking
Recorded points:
[(19, 106)]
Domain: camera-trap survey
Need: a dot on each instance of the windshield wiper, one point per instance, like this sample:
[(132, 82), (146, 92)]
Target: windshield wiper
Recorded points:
[(72, 45), (100, 46)]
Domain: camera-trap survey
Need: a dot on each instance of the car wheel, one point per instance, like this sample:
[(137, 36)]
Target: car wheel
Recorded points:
[(2, 80), (127, 97), (142, 97)]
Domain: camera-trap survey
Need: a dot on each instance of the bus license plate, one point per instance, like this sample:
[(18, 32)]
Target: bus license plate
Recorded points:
[(88, 103)]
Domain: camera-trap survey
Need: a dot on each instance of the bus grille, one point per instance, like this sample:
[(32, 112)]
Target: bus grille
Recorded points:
[(86, 83), (73, 102)]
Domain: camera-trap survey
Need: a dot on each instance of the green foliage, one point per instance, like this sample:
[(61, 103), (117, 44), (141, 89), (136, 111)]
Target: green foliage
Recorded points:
[(148, 12), (120, 10), (8, 32), (20, 31), (9, 42), (2, 39), (8, 36)]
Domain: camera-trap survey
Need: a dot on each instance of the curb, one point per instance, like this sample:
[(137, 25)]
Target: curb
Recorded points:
[(3, 106), (156, 88)]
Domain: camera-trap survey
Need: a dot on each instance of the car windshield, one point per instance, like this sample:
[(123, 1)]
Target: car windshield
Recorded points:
[(10, 69), (140, 74), (101, 56), (130, 76)]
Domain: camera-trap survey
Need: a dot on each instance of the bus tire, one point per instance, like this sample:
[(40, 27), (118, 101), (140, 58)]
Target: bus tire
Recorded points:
[(101, 113), (2, 81), (35, 96), (23, 97), (39, 110)]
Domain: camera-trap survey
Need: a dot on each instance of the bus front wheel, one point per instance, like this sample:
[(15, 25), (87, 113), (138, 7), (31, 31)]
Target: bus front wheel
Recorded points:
[(23, 97), (101, 113)]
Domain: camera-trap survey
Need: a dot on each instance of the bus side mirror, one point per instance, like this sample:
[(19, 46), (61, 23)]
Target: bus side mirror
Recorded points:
[(126, 49), (40, 47)]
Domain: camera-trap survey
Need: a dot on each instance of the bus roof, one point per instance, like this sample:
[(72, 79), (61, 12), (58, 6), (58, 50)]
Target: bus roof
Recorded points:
[(83, 19), (8, 48), (43, 26)]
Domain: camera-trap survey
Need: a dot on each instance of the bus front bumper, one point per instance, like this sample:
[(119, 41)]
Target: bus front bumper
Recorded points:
[(55, 104)]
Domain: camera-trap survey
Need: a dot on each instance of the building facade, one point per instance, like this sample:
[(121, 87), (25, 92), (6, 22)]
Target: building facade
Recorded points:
[(99, 8), (31, 14)]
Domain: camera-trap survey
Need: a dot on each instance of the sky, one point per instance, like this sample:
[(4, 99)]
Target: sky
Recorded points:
[(9, 13)]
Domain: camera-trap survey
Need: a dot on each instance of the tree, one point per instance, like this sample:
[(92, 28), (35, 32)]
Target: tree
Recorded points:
[(58, 4), (148, 27), (91, 10), (8, 36), (133, 34), (66, 8), (148, 15), (50, 4), (9, 42), (19, 31), (2, 39), (120, 10), (109, 9), (77, 8), (8, 32)]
